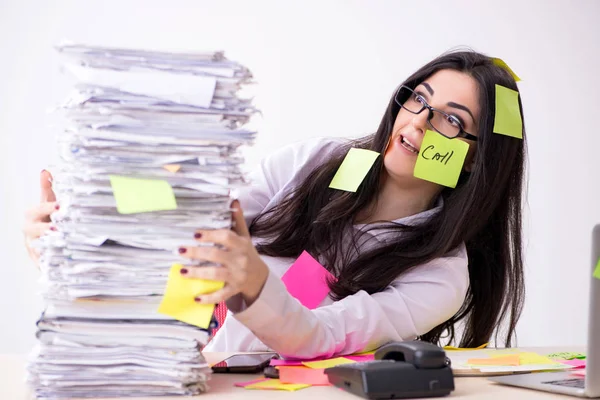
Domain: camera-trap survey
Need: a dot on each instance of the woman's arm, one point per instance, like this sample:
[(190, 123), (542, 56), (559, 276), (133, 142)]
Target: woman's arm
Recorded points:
[(412, 305)]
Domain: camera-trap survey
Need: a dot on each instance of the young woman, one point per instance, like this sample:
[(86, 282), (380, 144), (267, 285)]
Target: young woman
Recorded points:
[(411, 259)]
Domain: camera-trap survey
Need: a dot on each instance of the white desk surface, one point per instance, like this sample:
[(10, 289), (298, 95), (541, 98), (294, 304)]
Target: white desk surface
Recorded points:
[(13, 387)]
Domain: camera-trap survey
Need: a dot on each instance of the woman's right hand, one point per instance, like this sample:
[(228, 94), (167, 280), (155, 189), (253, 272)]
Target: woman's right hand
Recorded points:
[(37, 219)]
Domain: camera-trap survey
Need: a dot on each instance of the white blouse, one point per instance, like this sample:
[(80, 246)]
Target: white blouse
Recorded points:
[(411, 305)]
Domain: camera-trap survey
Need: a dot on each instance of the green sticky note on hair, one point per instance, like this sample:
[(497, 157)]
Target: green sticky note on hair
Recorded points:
[(499, 62), (508, 115), (440, 159), (353, 170), (134, 195), (597, 270)]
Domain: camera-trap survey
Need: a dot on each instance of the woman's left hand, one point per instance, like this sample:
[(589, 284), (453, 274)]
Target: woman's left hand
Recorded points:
[(242, 269)]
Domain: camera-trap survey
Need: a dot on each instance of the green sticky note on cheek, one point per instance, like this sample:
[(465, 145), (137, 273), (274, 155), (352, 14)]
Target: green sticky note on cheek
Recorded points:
[(597, 270), (508, 116), (354, 168), (134, 195), (440, 159)]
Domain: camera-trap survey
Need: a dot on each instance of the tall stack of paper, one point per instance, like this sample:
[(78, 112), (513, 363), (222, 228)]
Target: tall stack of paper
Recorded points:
[(150, 154)]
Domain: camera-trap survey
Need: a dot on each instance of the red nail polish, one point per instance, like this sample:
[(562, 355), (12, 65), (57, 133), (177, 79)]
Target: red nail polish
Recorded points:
[(198, 300), (57, 207), (182, 250), (53, 228), (183, 271), (197, 235)]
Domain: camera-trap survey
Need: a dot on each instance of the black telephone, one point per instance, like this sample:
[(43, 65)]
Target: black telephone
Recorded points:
[(401, 370)]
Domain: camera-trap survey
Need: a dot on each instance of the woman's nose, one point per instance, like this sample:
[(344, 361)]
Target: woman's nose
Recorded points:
[(419, 121)]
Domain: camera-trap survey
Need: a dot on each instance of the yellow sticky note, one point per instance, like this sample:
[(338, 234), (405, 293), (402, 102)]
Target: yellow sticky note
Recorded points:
[(172, 167), (275, 384), (440, 159), (134, 195), (508, 115), (597, 270), (502, 64), (178, 301), (354, 168), (332, 362), (452, 348), (535, 359)]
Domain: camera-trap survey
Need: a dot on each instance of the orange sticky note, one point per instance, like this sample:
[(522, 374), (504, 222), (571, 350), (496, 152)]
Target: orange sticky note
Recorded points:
[(276, 384), (332, 362), (510, 360), (172, 167), (308, 376)]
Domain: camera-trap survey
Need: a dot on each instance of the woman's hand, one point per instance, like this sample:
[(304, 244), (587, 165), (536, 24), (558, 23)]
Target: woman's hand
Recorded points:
[(37, 219), (242, 269)]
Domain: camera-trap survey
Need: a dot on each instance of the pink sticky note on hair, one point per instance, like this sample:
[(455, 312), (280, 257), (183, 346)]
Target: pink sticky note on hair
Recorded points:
[(306, 280)]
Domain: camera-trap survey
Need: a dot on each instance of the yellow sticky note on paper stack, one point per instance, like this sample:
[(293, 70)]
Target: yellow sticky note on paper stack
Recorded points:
[(353, 170), (135, 195), (502, 64), (275, 384), (508, 115), (178, 301), (440, 159)]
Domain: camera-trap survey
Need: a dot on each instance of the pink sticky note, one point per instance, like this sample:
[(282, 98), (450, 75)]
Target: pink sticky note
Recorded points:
[(575, 362), (244, 384), (306, 280), (304, 375)]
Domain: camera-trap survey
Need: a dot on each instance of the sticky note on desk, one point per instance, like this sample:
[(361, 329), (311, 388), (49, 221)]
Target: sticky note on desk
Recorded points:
[(507, 120), (135, 195), (530, 358), (304, 375), (502, 64), (306, 280), (329, 363), (354, 169), (510, 360), (440, 159), (178, 301), (276, 384)]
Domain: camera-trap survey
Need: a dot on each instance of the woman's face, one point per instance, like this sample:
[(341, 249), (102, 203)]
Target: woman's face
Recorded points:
[(451, 91)]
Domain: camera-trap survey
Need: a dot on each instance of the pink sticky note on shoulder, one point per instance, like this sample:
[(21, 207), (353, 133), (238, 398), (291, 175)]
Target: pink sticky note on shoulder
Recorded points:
[(306, 280)]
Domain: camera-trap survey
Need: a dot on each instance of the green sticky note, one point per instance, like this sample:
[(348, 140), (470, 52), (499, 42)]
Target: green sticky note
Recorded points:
[(502, 64), (353, 169), (134, 195), (597, 270), (508, 116), (441, 159)]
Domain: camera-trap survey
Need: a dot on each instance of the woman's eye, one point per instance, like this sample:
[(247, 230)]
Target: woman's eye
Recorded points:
[(419, 99), (454, 121)]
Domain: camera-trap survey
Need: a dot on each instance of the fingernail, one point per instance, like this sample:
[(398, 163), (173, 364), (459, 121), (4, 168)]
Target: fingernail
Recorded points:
[(43, 171), (197, 235), (57, 207), (53, 228), (182, 250), (198, 300), (183, 271)]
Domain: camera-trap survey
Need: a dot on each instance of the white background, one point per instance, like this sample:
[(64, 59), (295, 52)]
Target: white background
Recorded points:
[(329, 68)]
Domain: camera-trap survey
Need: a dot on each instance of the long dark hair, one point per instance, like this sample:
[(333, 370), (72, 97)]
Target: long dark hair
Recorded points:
[(483, 211)]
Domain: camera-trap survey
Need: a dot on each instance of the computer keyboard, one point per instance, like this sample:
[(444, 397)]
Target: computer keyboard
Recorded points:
[(574, 383)]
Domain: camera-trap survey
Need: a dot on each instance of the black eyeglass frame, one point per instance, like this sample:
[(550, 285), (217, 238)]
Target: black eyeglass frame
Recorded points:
[(461, 134)]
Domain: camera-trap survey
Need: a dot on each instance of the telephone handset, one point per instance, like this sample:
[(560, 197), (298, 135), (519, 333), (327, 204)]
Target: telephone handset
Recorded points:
[(400, 370)]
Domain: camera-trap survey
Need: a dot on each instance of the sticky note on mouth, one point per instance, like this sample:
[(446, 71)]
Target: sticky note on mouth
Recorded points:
[(440, 159), (354, 169)]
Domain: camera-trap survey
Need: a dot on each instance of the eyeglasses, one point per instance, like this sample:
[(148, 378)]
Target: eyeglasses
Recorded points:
[(444, 124)]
